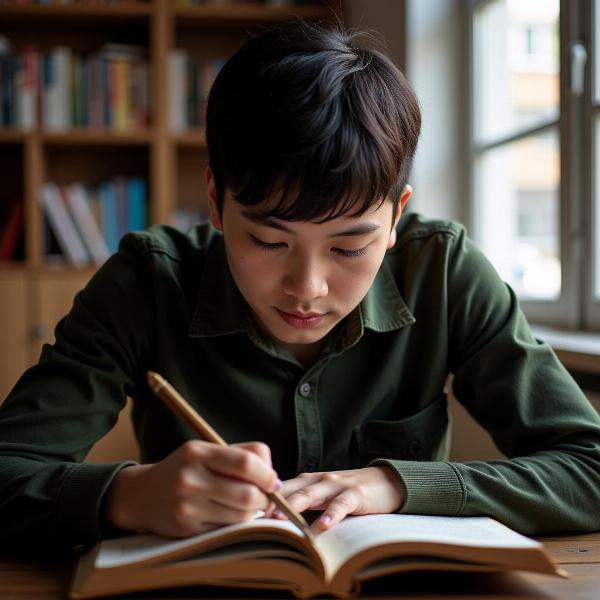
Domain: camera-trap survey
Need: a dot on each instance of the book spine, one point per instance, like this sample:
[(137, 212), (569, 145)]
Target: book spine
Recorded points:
[(177, 90), (120, 186), (136, 203), (8, 90), (120, 97), (66, 234), (13, 231), (76, 95), (108, 215), (79, 206), (52, 99), (105, 93)]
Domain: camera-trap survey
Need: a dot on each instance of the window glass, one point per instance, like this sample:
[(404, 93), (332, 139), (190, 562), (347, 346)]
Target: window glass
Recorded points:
[(517, 212), (516, 66)]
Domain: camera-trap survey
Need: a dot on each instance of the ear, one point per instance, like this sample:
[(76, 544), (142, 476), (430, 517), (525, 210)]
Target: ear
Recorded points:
[(215, 217), (406, 194)]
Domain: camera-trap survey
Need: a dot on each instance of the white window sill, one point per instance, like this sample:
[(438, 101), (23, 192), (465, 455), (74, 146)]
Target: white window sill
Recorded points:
[(578, 351)]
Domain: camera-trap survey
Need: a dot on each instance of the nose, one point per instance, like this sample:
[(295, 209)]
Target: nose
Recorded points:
[(305, 279)]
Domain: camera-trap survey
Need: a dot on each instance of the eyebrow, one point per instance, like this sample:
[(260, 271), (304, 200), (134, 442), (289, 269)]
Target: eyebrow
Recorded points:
[(360, 229)]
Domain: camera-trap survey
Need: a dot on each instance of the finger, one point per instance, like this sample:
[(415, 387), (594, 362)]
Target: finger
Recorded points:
[(236, 494), (259, 448), (339, 507), (270, 510), (314, 495), (225, 515), (304, 479), (238, 463)]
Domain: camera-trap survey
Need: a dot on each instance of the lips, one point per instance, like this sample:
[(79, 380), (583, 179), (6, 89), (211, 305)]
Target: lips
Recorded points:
[(300, 320), (300, 315)]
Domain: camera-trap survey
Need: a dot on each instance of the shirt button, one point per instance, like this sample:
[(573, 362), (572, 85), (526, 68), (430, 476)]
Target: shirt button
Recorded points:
[(305, 389), (414, 447)]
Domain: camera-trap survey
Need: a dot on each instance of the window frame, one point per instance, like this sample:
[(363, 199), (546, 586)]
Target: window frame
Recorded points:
[(575, 308), (591, 110)]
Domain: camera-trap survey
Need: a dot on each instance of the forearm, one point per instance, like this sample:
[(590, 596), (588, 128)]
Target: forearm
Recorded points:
[(550, 491), (51, 504)]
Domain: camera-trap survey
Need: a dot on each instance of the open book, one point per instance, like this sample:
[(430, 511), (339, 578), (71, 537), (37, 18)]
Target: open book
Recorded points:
[(269, 553)]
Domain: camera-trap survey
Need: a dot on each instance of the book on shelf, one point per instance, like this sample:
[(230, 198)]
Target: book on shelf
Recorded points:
[(79, 203), (190, 81), (64, 229), (275, 554), (87, 223), (12, 232), (269, 3), (59, 89), (183, 218), (66, 2)]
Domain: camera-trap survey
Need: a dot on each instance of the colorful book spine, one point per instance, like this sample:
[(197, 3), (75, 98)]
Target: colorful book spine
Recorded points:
[(59, 90), (136, 204), (108, 215), (12, 232)]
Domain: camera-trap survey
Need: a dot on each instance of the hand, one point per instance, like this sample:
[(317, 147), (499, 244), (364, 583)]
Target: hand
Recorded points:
[(364, 491), (198, 487)]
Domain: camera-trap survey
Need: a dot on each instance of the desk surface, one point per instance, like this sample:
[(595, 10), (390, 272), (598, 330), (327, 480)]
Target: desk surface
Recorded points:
[(49, 580)]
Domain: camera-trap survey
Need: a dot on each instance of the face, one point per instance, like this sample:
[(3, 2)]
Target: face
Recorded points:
[(300, 279)]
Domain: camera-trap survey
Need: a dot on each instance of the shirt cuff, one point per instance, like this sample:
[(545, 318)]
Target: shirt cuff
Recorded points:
[(432, 488), (78, 507)]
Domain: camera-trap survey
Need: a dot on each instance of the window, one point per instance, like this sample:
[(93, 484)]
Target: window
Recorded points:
[(535, 133)]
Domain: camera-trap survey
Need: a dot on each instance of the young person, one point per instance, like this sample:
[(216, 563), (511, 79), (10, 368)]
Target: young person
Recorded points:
[(309, 315)]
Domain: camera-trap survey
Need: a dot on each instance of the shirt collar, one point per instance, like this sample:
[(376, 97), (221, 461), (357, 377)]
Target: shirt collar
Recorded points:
[(221, 309)]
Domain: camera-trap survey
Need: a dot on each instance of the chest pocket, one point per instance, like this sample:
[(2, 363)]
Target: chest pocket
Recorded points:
[(417, 437)]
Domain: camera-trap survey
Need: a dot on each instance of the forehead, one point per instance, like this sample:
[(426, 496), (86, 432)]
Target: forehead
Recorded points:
[(276, 211), (344, 225), (301, 202)]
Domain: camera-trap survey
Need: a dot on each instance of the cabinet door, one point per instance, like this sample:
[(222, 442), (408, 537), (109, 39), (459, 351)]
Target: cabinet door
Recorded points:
[(13, 326), (53, 299)]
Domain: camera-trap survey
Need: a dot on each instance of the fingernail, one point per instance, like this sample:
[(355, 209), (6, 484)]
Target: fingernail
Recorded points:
[(278, 485), (325, 519), (277, 513)]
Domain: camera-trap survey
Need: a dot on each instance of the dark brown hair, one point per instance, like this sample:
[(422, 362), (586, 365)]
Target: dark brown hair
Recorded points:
[(304, 115)]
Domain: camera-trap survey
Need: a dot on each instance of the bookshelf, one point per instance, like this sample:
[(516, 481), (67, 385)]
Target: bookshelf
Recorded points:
[(35, 293)]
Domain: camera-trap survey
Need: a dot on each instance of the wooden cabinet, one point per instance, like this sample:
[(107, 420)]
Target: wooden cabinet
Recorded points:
[(13, 327), (31, 304)]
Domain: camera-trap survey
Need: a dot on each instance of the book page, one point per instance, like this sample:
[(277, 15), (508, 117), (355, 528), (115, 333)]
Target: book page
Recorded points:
[(142, 547), (355, 534)]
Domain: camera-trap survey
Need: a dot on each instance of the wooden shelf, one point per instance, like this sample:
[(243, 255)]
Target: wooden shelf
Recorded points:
[(98, 137), (11, 136), (74, 12), (190, 139), (245, 15), (82, 137)]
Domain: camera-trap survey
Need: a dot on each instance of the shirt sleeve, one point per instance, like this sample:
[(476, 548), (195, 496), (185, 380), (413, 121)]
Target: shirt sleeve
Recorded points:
[(61, 406), (516, 388)]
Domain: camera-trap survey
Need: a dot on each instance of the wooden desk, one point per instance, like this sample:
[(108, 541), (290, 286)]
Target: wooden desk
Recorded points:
[(580, 555)]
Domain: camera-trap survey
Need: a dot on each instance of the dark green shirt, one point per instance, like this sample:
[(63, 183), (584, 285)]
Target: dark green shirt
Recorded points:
[(166, 302)]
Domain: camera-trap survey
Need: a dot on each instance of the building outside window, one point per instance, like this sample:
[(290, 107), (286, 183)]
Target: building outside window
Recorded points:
[(534, 132)]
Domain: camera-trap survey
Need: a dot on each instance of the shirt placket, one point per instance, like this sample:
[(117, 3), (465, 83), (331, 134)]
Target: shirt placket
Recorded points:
[(308, 422)]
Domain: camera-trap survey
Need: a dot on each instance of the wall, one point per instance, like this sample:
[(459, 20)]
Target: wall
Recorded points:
[(436, 50)]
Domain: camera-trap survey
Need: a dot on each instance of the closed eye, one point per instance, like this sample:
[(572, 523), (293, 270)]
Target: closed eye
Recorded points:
[(351, 253), (266, 245)]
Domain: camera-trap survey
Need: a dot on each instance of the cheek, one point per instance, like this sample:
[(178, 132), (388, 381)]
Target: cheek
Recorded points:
[(252, 272)]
